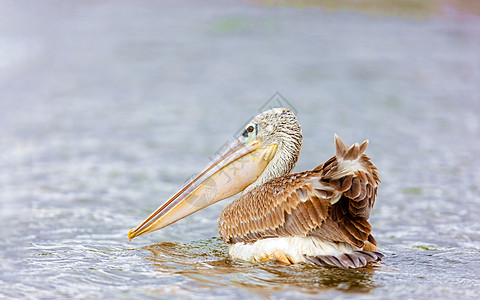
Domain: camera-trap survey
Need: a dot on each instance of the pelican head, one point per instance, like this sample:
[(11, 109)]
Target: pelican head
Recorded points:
[(267, 147)]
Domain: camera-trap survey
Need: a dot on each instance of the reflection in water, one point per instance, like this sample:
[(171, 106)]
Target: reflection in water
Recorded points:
[(205, 263)]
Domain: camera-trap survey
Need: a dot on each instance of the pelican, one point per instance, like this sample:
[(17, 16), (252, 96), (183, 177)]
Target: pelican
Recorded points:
[(318, 216)]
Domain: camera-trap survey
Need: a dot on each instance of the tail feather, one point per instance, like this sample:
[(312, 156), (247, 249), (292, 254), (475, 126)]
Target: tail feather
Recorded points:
[(353, 152), (354, 180), (357, 259)]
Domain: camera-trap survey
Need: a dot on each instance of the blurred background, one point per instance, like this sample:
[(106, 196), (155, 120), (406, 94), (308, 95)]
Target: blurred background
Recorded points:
[(107, 107)]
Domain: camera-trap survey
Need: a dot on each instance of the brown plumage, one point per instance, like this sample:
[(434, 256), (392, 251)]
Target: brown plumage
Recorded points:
[(319, 216), (331, 202)]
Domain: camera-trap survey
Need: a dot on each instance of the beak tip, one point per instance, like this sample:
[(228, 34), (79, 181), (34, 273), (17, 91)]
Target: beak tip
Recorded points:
[(131, 234)]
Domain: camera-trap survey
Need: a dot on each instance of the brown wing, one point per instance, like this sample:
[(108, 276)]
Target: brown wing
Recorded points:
[(333, 202)]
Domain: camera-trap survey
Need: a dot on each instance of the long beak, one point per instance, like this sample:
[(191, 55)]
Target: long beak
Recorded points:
[(230, 173)]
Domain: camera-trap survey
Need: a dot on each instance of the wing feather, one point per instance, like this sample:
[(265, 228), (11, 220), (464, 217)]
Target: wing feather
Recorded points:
[(333, 202)]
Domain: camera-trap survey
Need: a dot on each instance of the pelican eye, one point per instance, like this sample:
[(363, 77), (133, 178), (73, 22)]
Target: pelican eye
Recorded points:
[(248, 131)]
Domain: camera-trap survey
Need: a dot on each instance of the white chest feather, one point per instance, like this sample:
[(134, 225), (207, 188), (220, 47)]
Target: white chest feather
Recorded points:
[(293, 247)]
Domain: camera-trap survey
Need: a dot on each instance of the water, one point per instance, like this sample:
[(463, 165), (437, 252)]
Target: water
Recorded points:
[(106, 109)]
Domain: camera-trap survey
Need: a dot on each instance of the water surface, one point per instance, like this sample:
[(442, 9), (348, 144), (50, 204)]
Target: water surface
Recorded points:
[(107, 108)]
